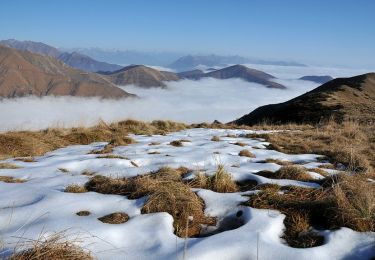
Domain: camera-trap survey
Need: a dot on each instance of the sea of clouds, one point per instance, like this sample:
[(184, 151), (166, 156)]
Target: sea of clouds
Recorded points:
[(187, 101)]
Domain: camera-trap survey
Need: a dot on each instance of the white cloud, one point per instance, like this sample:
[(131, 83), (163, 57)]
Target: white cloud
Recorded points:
[(187, 101)]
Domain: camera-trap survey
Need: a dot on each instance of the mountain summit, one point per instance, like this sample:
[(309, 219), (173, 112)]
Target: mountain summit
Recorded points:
[(247, 74), (141, 76)]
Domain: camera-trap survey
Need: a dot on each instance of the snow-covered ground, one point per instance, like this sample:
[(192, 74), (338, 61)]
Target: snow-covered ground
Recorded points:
[(40, 205)]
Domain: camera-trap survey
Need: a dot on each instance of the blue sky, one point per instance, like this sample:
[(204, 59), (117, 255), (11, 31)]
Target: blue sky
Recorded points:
[(330, 32)]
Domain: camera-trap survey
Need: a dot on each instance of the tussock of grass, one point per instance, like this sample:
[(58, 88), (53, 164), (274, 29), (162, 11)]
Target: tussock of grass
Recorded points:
[(215, 138), (291, 172), (115, 218), (154, 152), (176, 143), (8, 166), (279, 162), (75, 188), (25, 159), (83, 213), (246, 153), (116, 141), (112, 156), (240, 144), (9, 179), (166, 193), (52, 248), (63, 170), (154, 143), (88, 173), (221, 181), (355, 201)]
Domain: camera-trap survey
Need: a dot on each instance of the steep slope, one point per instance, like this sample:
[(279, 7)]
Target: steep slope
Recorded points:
[(317, 79), (35, 47), (247, 74), (341, 98), (83, 62), (141, 76), (25, 73)]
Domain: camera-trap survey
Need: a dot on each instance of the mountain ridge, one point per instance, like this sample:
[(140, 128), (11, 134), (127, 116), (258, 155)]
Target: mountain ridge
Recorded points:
[(338, 99), (23, 73)]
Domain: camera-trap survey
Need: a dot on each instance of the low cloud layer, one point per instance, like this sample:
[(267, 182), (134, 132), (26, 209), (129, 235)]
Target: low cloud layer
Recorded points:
[(187, 101)]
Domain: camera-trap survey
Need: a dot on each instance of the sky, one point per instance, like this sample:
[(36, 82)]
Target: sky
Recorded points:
[(335, 32)]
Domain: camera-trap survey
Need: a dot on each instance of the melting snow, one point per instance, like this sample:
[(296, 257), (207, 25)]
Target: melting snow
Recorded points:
[(39, 205)]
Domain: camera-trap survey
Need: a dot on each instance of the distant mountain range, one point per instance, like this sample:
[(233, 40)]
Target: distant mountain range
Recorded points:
[(193, 62), (74, 59), (23, 73), (83, 62), (88, 58), (146, 77), (341, 98), (317, 79), (235, 71), (141, 76)]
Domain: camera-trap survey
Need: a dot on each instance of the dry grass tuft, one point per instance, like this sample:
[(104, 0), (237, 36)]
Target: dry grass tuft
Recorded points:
[(115, 218), (63, 170), (240, 144), (154, 143), (221, 181), (246, 153), (83, 213), (8, 166), (52, 248), (215, 138), (9, 179), (355, 202), (87, 173), (279, 162), (176, 143), (75, 188), (154, 152), (25, 159), (166, 193), (291, 172), (112, 156)]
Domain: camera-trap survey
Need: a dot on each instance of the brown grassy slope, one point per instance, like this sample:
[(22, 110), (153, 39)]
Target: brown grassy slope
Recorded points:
[(349, 143), (342, 98), (28, 143), (26, 73), (141, 76)]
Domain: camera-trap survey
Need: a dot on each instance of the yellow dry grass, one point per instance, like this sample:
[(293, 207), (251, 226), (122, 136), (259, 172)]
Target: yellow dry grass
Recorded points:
[(166, 193), (28, 143), (55, 247), (221, 181)]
